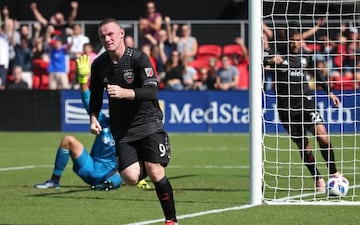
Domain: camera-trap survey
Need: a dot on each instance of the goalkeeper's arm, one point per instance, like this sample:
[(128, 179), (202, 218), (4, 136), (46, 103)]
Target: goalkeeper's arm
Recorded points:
[(83, 71), (82, 77)]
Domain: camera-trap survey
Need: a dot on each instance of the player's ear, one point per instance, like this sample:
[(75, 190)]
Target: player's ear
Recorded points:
[(122, 33)]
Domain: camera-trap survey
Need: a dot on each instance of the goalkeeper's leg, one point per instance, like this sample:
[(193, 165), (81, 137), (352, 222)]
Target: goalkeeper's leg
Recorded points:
[(69, 147)]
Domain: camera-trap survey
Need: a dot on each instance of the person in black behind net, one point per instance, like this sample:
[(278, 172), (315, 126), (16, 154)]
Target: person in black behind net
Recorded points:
[(296, 104)]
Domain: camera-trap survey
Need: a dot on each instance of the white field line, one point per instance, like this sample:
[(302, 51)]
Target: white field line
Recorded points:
[(175, 167), (170, 166), (24, 167), (214, 211)]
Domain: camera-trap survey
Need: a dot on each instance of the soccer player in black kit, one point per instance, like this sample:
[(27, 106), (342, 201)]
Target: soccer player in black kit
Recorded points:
[(135, 116), (296, 104)]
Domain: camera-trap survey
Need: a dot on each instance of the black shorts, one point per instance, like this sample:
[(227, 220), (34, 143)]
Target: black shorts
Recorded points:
[(297, 122), (154, 148)]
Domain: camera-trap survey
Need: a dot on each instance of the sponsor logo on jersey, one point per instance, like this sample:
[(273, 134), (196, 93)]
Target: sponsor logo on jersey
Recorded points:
[(149, 72), (296, 73), (129, 76)]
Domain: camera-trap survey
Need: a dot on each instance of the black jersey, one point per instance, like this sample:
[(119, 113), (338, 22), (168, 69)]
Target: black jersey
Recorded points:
[(291, 82), (130, 120)]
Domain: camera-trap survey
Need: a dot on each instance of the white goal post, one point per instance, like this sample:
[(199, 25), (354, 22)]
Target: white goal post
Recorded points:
[(330, 36)]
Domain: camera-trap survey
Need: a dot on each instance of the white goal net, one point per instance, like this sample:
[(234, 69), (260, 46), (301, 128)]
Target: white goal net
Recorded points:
[(330, 48)]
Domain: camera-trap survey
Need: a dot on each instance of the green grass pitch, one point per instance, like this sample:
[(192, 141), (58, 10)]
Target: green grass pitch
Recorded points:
[(207, 171)]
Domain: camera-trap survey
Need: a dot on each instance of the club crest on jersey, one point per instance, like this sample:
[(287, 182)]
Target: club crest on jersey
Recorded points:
[(149, 72), (129, 76)]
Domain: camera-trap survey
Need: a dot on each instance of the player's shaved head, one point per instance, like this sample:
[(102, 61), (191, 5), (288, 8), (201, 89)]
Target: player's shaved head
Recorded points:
[(111, 35), (109, 20)]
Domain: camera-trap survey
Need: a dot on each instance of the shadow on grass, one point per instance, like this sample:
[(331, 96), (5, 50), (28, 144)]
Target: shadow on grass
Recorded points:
[(61, 191)]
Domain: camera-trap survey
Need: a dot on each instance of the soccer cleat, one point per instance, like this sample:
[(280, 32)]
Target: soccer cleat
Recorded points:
[(143, 185), (320, 185), (105, 186), (170, 222), (48, 184)]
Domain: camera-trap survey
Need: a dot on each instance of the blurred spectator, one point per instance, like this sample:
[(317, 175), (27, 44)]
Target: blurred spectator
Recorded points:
[(202, 82), (151, 23), (129, 41), (58, 77), (77, 40), (343, 65), (241, 61), (189, 74), (23, 31), (89, 50), (267, 32), (227, 75), (57, 20), (8, 31), (9, 28), (268, 74), (310, 33), (187, 45), (17, 82), (174, 72), (23, 58), (212, 72), (323, 53), (165, 46), (39, 47), (4, 58)]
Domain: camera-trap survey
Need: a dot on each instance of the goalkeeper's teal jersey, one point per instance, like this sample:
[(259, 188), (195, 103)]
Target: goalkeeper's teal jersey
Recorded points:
[(103, 149)]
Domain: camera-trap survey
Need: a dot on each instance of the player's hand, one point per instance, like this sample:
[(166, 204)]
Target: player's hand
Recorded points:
[(95, 127), (334, 99), (115, 91), (83, 68), (278, 59)]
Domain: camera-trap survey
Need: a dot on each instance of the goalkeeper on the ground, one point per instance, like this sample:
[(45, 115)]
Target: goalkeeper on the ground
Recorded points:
[(99, 167)]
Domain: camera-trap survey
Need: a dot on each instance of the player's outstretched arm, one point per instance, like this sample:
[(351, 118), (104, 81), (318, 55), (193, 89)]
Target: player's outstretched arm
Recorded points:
[(83, 70), (82, 77)]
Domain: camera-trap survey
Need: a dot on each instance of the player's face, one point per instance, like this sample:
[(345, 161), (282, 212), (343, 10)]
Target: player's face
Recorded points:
[(295, 43), (111, 36)]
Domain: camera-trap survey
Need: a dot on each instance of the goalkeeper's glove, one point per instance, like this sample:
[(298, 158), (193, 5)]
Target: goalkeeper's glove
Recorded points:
[(83, 69)]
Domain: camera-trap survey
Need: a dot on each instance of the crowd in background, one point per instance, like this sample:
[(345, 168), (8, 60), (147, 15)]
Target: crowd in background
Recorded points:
[(46, 52), (43, 56), (334, 53)]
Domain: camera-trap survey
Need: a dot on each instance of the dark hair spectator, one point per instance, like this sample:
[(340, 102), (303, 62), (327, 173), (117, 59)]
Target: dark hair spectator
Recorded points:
[(17, 82), (151, 23), (174, 72), (23, 58)]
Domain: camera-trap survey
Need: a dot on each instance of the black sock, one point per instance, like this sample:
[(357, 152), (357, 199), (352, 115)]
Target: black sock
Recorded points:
[(309, 161), (164, 192), (327, 153), (55, 178)]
